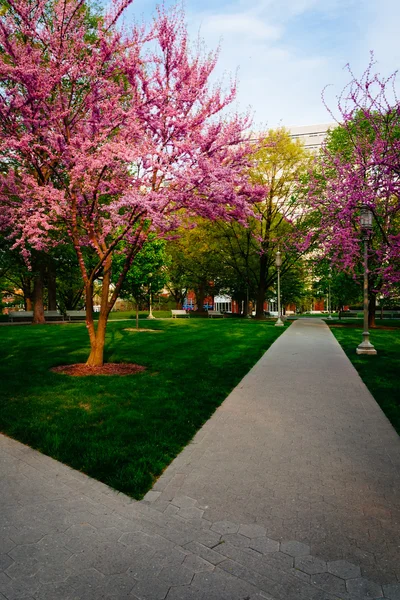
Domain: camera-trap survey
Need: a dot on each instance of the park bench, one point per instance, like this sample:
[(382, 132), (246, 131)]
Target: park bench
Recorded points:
[(347, 314), (20, 315), (27, 315), (53, 315), (75, 315), (388, 314), (215, 313), (180, 313)]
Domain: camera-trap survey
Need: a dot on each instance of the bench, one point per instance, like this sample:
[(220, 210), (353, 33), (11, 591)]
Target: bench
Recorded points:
[(347, 314), (27, 315), (20, 315), (75, 315), (53, 315), (215, 313), (387, 314), (180, 313)]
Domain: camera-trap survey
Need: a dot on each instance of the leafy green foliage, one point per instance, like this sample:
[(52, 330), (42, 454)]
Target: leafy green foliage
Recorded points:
[(281, 167), (197, 261), (293, 285), (147, 274), (345, 289)]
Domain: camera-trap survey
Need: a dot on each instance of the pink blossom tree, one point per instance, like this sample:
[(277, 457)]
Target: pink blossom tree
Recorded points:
[(360, 165), (108, 135)]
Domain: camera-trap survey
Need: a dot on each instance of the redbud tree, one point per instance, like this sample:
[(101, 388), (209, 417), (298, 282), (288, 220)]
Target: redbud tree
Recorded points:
[(360, 165), (110, 134)]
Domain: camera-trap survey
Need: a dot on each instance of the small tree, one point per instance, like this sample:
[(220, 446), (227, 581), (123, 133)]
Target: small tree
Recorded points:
[(108, 136), (293, 288), (147, 275), (344, 288)]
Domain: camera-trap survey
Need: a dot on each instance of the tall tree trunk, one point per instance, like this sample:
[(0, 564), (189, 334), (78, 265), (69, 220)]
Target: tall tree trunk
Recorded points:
[(38, 289), (372, 310), (137, 314), (51, 286), (97, 335), (96, 356), (27, 290), (260, 298), (200, 296)]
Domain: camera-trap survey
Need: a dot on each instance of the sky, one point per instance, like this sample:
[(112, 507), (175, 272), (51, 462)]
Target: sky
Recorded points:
[(285, 52)]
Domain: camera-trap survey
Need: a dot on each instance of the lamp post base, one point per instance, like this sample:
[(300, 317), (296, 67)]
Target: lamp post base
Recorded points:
[(366, 347), (279, 323)]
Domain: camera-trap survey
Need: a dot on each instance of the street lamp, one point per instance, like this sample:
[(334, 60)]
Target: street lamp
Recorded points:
[(278, 264), (329, 296), (366, 217), (151, 316)]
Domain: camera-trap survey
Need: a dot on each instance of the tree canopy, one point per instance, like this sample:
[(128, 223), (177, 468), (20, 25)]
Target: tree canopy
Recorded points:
[(360, 166), (109, 135)]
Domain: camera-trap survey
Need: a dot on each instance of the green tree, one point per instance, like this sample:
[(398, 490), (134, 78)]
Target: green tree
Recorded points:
[(147, 275), (293, 285), (344, 288), (196, 263), (281, 167)]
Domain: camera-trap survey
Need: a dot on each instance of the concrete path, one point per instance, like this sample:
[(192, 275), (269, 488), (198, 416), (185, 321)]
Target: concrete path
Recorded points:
[(289, 492)]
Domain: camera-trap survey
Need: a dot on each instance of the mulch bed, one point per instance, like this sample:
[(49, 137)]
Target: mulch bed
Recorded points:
[(82, 370), (140, 329)]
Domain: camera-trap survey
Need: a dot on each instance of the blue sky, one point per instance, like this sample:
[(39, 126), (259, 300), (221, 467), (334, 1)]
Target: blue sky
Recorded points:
[(287, 51)]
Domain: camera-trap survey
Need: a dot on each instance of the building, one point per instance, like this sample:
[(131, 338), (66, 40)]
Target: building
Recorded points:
[(311, 136)]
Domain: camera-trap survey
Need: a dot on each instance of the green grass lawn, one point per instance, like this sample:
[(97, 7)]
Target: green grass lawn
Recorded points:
[(380, 373), (123, 431), (117, 315)]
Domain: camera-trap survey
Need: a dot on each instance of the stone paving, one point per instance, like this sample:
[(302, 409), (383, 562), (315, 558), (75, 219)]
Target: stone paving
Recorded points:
[(289, 492)]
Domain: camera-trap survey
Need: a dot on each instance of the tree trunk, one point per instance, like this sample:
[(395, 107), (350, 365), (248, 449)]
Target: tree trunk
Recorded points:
[(200, 296), (38, 289), (137, 315), (372, 310), (96, 356), (260, 298), (97, 335), (27, 290), (51, 287)]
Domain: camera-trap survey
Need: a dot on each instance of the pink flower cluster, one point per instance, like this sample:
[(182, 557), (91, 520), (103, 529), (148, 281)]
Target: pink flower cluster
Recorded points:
[(108, 134), (362, 169)]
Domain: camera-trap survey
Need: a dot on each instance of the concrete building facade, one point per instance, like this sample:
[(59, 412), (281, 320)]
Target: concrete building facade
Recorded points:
[(311, 136)]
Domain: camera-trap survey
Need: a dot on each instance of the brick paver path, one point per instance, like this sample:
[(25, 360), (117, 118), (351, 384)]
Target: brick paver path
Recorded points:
[(289, 492)]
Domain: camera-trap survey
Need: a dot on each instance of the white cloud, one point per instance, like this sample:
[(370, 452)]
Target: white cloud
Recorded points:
[(240, 24), (287, 51)]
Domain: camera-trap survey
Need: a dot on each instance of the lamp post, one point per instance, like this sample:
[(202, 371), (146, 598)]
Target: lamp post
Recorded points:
[(329, 296), (278, 264), (151, 316), (366, 217)]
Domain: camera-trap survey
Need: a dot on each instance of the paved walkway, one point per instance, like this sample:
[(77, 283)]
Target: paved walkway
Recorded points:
[(289, 492)]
